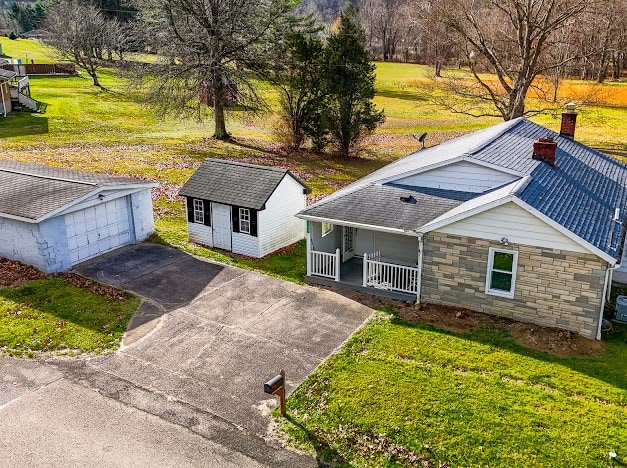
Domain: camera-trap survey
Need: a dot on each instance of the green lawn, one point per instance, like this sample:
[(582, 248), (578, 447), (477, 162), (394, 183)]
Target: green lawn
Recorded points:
[(51, 315), (401, 394)]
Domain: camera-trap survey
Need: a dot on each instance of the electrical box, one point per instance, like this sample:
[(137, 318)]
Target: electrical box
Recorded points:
[(621, 308)]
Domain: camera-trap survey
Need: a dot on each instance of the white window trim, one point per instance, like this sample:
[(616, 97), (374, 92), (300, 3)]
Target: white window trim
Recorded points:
[(329, 231), (199, 219), (499, 292), (244, 212)]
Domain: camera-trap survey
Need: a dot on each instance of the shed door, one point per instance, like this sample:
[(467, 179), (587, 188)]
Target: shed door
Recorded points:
[(98, 229), (221, 226)]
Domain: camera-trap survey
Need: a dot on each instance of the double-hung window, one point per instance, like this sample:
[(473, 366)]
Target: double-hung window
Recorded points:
[(199, 211), (501, 277), (326, 228), (244, 220)]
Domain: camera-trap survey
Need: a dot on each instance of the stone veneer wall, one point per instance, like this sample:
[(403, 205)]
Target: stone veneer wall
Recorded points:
[(553, 288)]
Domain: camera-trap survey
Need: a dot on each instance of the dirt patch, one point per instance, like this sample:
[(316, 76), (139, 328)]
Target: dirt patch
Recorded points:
[(555, 341), (14, 273)]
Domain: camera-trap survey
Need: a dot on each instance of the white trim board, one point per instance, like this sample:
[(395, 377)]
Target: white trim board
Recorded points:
[(359, 225)]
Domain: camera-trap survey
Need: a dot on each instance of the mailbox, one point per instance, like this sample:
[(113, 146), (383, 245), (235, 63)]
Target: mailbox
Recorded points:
[(274, 384)]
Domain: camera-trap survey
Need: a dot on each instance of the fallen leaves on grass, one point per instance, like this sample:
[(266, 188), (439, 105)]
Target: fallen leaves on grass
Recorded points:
[(13, 273), (94, 287)]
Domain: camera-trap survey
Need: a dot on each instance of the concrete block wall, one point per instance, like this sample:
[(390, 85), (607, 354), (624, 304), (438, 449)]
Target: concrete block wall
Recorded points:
[(143, 217), (43, 246), (553, 288), (53, 245)]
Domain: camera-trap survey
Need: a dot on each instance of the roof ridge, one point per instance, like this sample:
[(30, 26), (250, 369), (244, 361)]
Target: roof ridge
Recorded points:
[(510, 124), (41, 176), (256, 166)]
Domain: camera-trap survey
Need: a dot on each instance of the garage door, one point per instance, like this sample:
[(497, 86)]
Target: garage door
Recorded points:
[(98, 229)]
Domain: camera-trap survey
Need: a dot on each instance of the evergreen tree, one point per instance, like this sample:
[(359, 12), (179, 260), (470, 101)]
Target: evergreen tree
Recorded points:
[(349, 82), (298, 76)]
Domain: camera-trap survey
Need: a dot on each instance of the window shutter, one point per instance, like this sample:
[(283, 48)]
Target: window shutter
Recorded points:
[(253, 222), (207, 212), (235, 217), (190, 209)]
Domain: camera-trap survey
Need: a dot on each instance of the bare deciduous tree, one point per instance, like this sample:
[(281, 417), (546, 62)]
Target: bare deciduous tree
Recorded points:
[(77, 30), (511, 39), (212, 45)]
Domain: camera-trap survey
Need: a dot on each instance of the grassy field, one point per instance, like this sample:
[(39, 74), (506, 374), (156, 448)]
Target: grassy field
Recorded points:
[(52, 315), (401, 394)]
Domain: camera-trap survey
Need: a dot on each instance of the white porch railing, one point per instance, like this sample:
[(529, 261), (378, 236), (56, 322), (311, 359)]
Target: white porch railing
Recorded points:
[(389, 276), (325, 264)]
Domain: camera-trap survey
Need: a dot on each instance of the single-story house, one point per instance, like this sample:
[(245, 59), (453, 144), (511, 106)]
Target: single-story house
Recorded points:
[(244, 208), (55, 218), (514, 220)]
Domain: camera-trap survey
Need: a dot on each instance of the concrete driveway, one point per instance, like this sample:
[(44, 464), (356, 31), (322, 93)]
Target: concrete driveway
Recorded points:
[(203, 342)]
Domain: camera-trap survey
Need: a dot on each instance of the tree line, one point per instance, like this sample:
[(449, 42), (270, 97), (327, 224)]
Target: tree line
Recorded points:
[(212, 50)]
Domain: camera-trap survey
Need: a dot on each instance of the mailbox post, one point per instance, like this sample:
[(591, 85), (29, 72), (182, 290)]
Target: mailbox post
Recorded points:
[(276, 386)]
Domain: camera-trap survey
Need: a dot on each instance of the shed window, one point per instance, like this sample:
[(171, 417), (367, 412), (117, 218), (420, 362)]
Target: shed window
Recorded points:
[(199, 211), (326, 228), (244, 220), (501, 277)]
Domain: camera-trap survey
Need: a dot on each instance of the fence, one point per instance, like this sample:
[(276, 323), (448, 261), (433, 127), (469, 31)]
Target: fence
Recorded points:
[(390, 276), (41, 68), (325, 264)]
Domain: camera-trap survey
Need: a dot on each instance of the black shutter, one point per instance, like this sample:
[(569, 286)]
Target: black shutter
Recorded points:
[(207, 212), (253, 222), (190, 209), (235, 217)]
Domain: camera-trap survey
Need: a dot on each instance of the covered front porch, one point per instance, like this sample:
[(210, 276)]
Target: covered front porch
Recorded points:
[(376, 262)]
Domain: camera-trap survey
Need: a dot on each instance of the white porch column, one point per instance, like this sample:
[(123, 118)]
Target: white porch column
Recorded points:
[(338, 259), (365, 273)]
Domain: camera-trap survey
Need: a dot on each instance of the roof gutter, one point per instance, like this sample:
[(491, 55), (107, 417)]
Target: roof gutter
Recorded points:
[(370, 227)]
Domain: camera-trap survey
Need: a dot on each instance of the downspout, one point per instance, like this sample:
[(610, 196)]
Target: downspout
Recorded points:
[(420, 250), (606, 286)]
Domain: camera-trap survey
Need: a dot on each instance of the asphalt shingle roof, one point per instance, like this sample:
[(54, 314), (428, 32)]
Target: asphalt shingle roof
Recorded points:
[(581, 193), (32, 191), (234, 183), (391, 211)]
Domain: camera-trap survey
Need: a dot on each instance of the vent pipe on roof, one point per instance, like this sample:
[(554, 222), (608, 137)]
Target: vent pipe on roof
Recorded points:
[(544, 150), (569, 122)]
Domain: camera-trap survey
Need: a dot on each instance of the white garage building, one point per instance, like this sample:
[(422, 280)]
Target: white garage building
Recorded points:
[(54, 218)]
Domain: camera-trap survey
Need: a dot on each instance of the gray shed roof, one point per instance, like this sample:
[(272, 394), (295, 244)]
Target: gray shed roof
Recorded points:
[(32, 191), (234, 183)]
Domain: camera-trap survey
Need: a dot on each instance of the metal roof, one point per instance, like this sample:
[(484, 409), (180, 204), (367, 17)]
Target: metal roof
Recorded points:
[(581, 193), (234, 183), (32, 191)]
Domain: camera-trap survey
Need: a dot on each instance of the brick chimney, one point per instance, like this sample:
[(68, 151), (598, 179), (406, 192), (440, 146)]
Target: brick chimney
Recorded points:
[(544, 150), (569, 121)]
